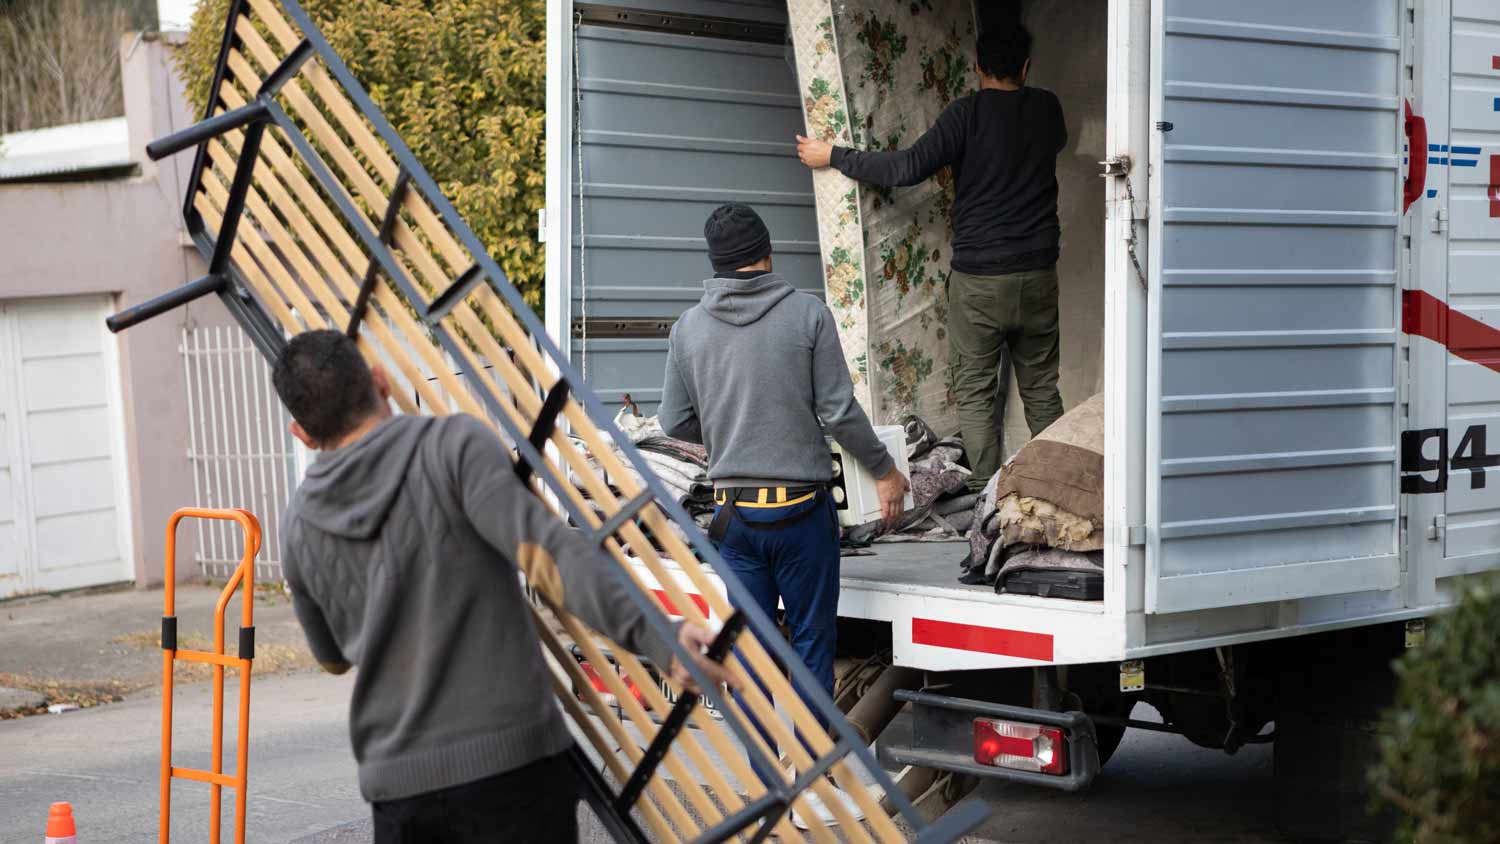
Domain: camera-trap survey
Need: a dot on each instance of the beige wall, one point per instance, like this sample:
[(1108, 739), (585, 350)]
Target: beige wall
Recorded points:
[(1068, 57), (125, 238)]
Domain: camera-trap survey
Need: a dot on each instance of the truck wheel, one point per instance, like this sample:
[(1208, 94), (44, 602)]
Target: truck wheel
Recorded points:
[(1333, 688), (1107, 737)]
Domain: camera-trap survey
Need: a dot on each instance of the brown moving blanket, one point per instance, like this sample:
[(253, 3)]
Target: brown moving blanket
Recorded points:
[(1063, 465)]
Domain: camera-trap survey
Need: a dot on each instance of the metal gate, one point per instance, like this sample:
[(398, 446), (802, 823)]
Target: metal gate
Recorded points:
[(241, 452)]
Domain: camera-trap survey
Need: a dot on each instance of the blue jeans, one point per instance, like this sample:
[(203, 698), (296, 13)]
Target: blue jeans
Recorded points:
[(798, 563)]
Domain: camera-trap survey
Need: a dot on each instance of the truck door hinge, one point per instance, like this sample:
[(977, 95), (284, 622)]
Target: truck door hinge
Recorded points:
[(1438, 530), (1137, 535), (1440, 221)]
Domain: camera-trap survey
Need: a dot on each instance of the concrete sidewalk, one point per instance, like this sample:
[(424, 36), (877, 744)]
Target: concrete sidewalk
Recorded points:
[(98, 647)]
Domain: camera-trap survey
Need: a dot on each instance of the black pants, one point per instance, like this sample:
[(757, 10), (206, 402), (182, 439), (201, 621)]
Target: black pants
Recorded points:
[(537, 803)]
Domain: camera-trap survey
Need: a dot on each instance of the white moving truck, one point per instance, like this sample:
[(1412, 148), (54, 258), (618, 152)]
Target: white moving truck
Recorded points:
[(1292, 270)]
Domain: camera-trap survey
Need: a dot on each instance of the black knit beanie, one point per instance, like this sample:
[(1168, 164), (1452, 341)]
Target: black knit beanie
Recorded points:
[(736, 236)]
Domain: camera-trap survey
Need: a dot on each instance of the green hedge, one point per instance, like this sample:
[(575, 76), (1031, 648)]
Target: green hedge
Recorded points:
[(463, 81), (1440, 747)]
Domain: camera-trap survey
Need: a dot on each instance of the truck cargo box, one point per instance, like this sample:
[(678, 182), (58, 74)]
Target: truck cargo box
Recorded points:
[(1268, 211)]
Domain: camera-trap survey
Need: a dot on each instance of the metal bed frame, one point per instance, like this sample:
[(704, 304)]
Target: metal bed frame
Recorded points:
[(286, 234)]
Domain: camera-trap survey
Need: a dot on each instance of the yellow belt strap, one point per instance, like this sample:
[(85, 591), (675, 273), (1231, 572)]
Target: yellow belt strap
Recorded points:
[(763, 496)]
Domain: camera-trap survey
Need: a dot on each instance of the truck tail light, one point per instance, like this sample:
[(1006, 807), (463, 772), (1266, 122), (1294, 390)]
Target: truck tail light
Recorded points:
[(1024, 747), (598, 683), (635, 692), (592, 675)]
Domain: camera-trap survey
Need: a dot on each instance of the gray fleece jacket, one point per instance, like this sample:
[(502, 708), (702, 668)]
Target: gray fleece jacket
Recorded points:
[(755, 373), (401, 551)]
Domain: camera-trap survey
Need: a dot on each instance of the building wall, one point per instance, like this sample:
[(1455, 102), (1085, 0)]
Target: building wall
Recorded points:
[(124, 238)]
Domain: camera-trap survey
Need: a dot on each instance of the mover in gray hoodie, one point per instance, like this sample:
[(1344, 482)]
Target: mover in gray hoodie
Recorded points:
[(402, 547), (755, 373)]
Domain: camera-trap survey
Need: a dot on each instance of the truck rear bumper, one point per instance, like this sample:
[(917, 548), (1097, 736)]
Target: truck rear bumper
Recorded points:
[(943, 738)]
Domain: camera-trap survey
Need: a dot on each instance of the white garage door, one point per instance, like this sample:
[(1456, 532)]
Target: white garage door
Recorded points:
[(63, 511)]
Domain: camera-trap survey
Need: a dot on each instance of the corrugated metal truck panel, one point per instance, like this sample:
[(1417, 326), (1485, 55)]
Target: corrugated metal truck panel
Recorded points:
[(1278, 182), (672, 126)]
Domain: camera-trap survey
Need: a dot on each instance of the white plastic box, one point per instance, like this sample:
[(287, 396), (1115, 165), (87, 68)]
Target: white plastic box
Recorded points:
[(854, 489)]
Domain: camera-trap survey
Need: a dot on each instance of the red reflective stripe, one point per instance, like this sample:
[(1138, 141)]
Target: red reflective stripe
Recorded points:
[(671, 608), (1493, 191), (1495, 62), (990, 640), (1427, 316)]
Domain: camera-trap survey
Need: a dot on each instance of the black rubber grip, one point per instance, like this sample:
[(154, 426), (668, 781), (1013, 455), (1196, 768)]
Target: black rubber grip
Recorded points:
[(247, 643), (169, 632), (546, 423)]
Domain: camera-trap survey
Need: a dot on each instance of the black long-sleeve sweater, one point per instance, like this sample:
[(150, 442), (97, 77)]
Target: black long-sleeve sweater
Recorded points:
[(1003, 148)]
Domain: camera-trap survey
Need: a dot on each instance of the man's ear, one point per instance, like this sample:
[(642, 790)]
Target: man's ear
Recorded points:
[(382, 382), (302, 435), (1025, 71)]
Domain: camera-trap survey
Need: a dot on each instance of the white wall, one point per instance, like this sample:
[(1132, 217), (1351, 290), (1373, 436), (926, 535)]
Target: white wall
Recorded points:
[(175, 15)]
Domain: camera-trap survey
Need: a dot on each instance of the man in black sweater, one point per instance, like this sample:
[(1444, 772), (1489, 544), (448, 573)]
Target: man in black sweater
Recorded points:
[(1002, 143)]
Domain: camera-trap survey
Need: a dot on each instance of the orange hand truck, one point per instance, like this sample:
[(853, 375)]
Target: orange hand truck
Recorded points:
[(216, 778)]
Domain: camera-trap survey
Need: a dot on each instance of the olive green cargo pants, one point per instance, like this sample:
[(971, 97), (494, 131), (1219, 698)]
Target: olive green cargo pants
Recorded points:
[(986, 314)]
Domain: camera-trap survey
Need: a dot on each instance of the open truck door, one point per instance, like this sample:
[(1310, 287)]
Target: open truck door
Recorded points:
[(1273, 345)]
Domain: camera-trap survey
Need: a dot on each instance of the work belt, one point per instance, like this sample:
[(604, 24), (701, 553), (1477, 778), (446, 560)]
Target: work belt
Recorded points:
[(731, 499)]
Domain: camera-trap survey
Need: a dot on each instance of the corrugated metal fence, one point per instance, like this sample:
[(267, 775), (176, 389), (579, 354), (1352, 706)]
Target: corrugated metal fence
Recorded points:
[(241, 451)]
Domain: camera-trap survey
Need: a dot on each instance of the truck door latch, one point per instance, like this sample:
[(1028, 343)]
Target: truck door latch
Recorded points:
[(1119, 167)]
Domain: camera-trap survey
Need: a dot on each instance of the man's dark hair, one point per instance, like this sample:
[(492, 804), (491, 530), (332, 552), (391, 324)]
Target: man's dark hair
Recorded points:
[(1003, 51), (326, 384)]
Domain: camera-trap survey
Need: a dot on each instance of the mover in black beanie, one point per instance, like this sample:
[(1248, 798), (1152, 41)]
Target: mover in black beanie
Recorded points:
[(755, 373)]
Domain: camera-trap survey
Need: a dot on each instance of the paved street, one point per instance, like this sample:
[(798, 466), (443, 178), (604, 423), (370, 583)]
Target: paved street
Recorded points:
[(105, 759)]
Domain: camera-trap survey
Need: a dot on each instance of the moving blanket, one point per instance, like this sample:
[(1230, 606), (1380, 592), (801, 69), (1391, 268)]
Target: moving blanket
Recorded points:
[(1050, 494), (1023, 520), (1063, 465)]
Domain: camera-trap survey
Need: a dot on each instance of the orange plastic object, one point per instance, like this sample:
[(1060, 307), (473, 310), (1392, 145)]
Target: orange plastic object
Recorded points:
[(60, 825), (243, 577)]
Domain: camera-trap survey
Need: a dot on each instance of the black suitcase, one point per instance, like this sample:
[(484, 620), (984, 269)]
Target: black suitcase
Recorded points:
[(1057, 583), (1052, 573)]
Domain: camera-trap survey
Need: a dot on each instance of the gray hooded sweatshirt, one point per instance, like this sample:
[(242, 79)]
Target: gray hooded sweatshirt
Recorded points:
[(402, 551), (755, 373)]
